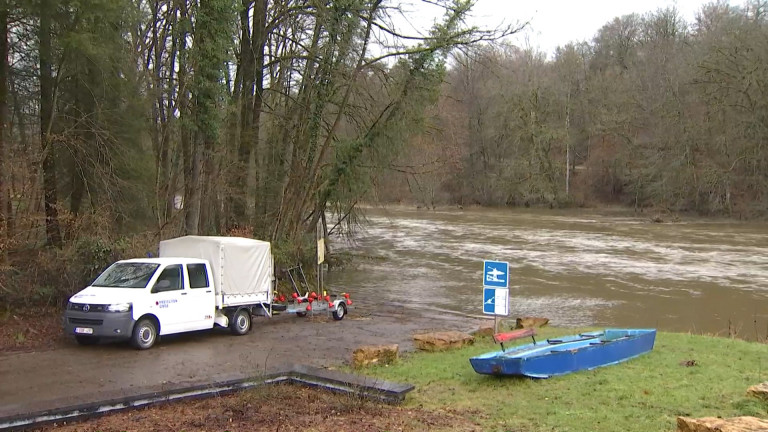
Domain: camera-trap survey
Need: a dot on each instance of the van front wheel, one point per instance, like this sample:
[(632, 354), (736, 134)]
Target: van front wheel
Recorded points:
[(144, 334), (241, 322)]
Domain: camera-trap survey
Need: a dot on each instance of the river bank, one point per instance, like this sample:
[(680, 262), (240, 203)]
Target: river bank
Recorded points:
[(684, 376)]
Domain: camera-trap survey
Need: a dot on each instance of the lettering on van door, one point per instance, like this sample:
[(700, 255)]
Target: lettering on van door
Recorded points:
[(169, 301), (164, 304)]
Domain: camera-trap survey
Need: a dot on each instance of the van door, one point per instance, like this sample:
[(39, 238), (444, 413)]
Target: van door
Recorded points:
[(169, 300), (201, 298)]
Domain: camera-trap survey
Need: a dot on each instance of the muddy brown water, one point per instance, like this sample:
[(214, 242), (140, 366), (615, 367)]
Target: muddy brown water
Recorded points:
[(576, 267)]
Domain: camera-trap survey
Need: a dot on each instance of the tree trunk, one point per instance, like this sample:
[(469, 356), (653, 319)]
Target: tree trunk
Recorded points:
[(162, 87), (189, 147), (258, 43), (78, 190), (5, 210), (568, 145), (168, 163), (239, 186), (47, 101), (211, 40), (192, 185)]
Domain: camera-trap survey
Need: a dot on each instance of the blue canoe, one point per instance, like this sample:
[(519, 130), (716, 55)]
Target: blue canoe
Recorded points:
[(567, 354)]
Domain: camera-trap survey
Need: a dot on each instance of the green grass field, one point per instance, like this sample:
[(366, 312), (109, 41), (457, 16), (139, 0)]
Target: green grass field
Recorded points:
[(643, 394)]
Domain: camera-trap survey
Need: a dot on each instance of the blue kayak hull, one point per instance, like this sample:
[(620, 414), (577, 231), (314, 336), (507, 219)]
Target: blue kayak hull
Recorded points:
[(567, 354)]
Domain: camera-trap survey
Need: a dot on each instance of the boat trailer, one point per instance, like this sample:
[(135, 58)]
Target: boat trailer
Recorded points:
[(303, 301)]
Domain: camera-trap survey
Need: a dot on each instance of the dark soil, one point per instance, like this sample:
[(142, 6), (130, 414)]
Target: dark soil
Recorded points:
[(277, 408), (31, 330)]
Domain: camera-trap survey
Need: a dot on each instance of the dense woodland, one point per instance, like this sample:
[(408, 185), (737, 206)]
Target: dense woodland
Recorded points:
[(653, 113), (126, 121)]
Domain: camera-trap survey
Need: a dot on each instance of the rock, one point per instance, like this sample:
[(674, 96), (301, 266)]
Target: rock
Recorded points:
[(483, 331), (529, 322), (714, 424), (439, 341), (374, 355), (759, 391)]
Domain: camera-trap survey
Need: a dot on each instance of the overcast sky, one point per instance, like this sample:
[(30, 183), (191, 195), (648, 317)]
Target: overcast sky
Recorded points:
[(557, 22)]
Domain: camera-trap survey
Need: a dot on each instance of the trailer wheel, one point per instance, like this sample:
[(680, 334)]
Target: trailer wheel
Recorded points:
[(301, 314), (144, 334), (86, 340), (241, 322), (340, 311)]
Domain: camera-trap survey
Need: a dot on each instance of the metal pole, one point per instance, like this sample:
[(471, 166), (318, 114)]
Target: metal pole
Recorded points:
[(317, 260)]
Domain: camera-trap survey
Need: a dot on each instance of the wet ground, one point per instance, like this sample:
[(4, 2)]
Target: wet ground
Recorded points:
[(66, 374)]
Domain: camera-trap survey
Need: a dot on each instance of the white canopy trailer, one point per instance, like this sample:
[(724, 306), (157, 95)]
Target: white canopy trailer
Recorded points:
[(242, 268)]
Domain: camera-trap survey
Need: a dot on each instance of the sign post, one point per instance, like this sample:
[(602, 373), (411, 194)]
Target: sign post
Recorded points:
[(320, 259), (496, 290)]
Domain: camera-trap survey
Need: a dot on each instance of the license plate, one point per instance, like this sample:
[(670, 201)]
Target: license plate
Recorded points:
[(83, 330)]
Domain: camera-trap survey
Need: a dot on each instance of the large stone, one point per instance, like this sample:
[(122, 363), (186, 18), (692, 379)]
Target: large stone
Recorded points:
[(483, 331), (368, 355), (531, 322), (759, 391), (444, 340), (714, 424)]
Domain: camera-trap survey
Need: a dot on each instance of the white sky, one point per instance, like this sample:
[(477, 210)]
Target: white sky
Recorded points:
[(557, 22)]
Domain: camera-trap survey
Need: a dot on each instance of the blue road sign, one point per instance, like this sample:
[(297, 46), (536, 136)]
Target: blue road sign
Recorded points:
[(495, 301), (496, 274), (489, 297)]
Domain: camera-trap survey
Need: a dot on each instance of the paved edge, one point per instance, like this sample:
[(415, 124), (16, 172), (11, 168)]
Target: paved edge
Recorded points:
[(371, 388)]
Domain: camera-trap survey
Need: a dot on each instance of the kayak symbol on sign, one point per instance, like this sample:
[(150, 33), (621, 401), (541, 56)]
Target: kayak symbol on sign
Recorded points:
[(495, 274), (489, 295), (495, 301)]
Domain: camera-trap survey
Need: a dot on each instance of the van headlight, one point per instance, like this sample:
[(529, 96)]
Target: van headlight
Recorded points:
[(119, 307)]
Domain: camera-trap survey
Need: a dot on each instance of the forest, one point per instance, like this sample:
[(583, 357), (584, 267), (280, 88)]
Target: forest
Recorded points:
[(123, 122), (653, 113)]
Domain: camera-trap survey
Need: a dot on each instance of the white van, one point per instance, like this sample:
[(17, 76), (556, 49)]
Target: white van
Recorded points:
[(197, 283)]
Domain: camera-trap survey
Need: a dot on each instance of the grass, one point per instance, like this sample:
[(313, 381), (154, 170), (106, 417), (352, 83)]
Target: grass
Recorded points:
[(643, 394)]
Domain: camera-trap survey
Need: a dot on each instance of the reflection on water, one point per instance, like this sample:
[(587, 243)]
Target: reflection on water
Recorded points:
[(574, 267)]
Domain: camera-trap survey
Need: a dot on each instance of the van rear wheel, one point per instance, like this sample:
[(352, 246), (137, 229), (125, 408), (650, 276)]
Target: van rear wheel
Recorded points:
[(241, 322)]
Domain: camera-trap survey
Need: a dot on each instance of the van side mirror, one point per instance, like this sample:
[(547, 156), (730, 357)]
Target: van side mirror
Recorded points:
[(161, 285)]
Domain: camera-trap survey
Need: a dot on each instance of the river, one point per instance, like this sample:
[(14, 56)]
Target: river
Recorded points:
[(575, 267)]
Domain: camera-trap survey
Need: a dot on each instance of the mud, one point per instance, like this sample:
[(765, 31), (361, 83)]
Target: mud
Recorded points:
[(70, 374)]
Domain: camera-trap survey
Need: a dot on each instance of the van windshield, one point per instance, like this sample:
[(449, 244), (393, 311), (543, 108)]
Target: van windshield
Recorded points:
[(126, 275)]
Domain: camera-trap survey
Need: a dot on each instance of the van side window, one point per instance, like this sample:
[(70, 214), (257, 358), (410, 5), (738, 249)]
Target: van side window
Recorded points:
[(198, 276), (171, 274)]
